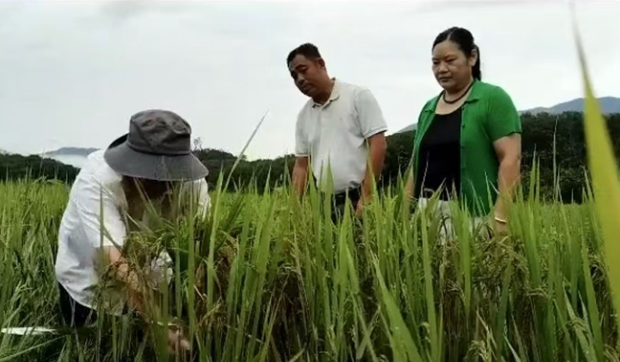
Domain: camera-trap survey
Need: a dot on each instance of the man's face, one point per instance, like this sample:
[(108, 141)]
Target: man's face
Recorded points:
[(309, 75)]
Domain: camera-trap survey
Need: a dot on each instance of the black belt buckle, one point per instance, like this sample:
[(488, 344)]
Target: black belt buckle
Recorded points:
[(340, 198), (354, 195)]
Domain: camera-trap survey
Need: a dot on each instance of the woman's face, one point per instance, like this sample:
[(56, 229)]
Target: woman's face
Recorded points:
[(152, 189), (156, 189), (451, 67)]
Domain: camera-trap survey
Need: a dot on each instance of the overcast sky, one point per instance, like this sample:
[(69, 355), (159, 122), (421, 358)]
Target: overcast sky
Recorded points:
[(73, 72)]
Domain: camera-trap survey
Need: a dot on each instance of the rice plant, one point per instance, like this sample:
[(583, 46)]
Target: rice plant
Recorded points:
[(269, 277)]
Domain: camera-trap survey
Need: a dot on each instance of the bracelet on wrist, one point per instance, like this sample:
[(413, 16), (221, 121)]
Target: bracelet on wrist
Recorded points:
[(500, 220)]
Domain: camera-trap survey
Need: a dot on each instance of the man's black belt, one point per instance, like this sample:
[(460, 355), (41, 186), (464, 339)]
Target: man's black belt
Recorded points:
[(354, 194)]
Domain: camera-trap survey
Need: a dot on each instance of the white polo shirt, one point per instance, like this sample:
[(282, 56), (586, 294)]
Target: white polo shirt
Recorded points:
[(334, 134), (97, 195)]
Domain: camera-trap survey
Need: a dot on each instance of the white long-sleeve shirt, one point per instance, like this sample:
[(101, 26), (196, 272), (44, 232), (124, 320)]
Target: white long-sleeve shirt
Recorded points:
[(94, 219)]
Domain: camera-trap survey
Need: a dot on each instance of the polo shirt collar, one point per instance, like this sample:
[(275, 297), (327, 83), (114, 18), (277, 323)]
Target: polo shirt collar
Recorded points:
[(335, 90), (335, 94)]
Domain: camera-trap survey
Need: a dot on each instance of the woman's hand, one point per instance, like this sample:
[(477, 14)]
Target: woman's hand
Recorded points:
[(409, 186), (500, 226)]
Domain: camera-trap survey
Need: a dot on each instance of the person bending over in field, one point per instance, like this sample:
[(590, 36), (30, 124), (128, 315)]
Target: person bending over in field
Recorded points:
[(114, 187), (468, 138), (341, 127)]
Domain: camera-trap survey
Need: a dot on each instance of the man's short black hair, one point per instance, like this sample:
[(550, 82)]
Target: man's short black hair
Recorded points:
[(308, 50)]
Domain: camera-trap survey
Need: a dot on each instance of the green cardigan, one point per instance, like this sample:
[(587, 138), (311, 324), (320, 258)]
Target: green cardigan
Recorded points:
[(488, 114)]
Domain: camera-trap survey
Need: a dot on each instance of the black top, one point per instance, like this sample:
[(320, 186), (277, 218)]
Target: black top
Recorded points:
[(439, 164)]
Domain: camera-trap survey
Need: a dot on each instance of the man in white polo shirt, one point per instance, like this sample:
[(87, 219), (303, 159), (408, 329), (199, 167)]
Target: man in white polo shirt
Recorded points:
[(341, 127)]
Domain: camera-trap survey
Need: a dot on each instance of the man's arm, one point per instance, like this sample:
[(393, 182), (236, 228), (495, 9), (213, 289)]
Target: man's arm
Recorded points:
[(300, 174), (302, 152), (373, 128), (377, 147)]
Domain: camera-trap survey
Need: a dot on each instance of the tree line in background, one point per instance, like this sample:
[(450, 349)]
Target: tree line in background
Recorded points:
[(556, 142)]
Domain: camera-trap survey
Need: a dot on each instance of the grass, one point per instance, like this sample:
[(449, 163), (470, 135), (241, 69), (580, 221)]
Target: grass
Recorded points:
[(266, 278), (270, 279)]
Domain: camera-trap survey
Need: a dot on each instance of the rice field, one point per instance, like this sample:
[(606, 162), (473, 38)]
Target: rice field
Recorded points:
[(266, 277)]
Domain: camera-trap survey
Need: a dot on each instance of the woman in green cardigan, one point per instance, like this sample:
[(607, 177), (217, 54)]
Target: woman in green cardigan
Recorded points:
[(468, 138)]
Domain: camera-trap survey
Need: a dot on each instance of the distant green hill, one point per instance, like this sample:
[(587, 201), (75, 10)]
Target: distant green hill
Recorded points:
[(74, 156), (15, 167), (70, 151), (411, 127), (609, 105)]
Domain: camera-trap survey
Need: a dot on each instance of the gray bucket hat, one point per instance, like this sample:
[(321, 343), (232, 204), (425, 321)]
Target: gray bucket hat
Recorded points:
[(157, 147)]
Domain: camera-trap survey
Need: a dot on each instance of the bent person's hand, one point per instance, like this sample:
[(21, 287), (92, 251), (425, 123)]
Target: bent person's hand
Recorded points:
[(176, 341)]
